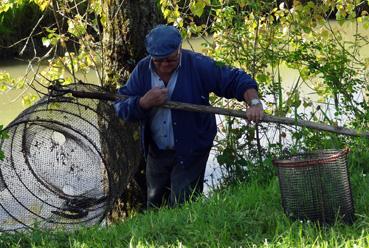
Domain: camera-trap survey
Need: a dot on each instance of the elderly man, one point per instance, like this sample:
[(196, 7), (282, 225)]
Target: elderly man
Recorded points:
[(176, 143)]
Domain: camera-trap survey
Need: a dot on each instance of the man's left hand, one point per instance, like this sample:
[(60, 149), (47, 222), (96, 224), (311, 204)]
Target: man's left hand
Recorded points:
[(255, 110), (255, 113)]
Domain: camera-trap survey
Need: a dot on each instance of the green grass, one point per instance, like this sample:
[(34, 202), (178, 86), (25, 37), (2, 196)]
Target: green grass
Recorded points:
[(248, 215)]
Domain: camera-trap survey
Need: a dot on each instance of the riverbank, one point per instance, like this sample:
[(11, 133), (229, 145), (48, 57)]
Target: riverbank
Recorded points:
[(246, 215)]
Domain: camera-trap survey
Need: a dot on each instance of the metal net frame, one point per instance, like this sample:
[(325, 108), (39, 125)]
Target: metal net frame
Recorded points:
[(65, 163), (315, 186)]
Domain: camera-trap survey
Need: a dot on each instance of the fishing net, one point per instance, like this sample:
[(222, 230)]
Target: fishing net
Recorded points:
[(66, 161), (315, 186)]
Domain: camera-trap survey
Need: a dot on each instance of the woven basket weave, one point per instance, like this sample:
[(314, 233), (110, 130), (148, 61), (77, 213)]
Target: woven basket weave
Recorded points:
[(315, 186)]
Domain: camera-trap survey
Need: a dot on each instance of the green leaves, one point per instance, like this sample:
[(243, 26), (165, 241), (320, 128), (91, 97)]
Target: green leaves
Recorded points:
[(52, 37), (293, 51), (3, 135), (6, 81), (197, 7), (77, 26), (6, 5), (42, 4), (176, 12), (28, 100)]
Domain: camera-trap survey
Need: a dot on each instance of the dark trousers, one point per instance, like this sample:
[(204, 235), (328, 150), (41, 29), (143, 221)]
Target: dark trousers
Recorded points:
[(169, 182)]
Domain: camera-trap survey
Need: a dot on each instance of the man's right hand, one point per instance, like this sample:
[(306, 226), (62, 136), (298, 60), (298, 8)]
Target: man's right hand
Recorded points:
[(154, 97)]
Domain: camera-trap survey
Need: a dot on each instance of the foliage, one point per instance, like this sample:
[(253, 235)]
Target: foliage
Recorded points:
[(71, 41), (13, 4), (245, 215), (267, 38), (75, 42), (3, 135), (16, 23)]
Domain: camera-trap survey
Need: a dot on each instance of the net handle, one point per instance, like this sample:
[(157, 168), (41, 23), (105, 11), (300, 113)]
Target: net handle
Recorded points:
[(57, 90)]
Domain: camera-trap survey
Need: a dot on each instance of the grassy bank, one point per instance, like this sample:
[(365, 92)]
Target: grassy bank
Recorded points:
[(248, 215)]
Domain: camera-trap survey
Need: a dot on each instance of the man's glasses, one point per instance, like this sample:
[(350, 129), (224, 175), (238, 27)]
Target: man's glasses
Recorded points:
[(168, 59)]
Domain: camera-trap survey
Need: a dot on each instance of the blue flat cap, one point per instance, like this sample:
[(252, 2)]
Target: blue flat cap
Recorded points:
[(162, 40)]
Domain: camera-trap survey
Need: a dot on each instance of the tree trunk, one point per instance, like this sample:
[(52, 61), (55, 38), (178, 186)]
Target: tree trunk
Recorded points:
[(127, 23)]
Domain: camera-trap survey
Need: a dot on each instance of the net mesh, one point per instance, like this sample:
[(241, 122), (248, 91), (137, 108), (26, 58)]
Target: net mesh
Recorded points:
[(65, 163), (315, 186)]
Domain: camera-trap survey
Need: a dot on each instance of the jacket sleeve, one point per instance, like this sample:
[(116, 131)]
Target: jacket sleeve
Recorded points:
[(130, 109), (223, 80)]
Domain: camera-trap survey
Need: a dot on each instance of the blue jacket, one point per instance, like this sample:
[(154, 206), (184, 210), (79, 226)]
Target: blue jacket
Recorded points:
[(198, 76)]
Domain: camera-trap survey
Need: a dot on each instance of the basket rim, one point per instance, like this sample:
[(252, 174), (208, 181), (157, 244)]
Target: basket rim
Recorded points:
[(309, 162)]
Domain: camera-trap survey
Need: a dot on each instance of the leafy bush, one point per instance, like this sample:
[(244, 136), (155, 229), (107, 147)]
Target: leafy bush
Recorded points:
[(266, 37), (17, 20)]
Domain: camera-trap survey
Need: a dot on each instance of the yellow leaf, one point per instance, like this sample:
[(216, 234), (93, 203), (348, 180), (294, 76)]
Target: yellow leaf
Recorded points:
[(166, 12), (42, 4), (20, 83), (3, 87), (68, 80), (6, 5), (76, 26), (304, 73), (197, 8), (320, 57), (26, 101)]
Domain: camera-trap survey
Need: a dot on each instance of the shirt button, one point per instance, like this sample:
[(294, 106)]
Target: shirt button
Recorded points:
[(181, 162), (174, 123)]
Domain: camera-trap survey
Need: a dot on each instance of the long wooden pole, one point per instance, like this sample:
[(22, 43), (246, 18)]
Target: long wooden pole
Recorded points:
[(228, 112)]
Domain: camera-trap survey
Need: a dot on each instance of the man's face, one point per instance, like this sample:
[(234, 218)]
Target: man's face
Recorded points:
[(168, 64)]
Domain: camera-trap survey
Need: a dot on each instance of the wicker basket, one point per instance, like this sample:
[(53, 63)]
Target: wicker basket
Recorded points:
[(315, 186)]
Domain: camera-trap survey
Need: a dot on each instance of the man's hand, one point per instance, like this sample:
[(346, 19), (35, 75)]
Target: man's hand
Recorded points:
[(255, 113), (154, 97)]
